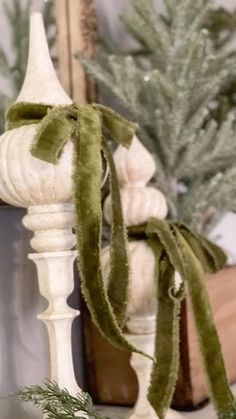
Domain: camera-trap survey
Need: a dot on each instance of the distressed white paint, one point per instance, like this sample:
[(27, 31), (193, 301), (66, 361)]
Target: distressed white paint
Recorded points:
[(53, 240), (41, 82), (27, 181), (135, 167), (45, 190)]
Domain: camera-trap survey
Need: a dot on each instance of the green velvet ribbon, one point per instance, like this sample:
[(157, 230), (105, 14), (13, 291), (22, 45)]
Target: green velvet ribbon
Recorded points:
[(177, 248), (85, 126)]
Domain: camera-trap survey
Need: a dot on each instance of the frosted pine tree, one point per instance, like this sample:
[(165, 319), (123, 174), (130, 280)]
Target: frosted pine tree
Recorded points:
[(175, 95)]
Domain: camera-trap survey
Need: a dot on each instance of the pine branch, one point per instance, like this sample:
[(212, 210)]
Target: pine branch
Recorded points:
[(13, 71), (4, 103), (222, 26), (183, 95), (57, 403)]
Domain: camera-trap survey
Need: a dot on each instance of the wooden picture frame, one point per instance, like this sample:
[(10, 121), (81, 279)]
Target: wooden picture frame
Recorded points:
[(77, 31)]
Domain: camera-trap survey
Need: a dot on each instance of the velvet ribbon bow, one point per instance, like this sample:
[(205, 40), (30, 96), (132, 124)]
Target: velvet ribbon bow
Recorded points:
[(178, 249), (85, 126)]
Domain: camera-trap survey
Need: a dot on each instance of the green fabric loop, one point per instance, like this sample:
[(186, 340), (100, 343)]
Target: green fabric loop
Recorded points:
[(118, 127), (210, 255), (58, 129), (178, 248), (84, 124), (164, 232), (25, 114)]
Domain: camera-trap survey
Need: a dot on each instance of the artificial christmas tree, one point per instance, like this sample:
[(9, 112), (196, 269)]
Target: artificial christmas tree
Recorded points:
[(179, 85), (174, 94)]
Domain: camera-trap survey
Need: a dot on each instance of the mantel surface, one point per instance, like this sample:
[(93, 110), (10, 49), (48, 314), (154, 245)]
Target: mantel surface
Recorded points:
[(11, 408)]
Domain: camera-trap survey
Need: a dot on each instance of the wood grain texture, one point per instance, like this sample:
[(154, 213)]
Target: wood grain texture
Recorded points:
[(63, 46), (76, 24), (110, 378)]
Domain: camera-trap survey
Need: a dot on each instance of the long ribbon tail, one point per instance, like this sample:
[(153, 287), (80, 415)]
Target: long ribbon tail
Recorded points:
[(118, 284), (210, 347), (88, 218), (165, 369)]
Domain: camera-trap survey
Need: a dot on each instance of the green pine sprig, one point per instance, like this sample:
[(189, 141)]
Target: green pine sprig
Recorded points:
[(57, 403)]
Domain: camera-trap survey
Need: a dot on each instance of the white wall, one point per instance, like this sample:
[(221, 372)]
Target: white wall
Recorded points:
[(229, 4), (23, 343), (108, 12)]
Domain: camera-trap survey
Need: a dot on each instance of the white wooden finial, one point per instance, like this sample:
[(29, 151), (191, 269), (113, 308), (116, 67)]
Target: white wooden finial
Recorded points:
[(24, 180), (46, 191), (135, 168), (41, 84)]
